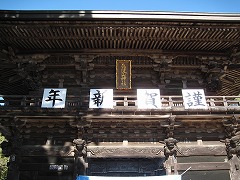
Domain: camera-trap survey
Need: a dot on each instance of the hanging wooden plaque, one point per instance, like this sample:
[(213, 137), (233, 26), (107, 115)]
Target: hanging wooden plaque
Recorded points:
[(123, 74)]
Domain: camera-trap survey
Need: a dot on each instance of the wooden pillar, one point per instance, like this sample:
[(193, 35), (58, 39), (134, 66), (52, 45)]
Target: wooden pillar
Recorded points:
[(171, 166), (13, 172)]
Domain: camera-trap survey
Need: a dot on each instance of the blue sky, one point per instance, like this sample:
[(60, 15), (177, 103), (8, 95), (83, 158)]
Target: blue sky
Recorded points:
[(225, 6)]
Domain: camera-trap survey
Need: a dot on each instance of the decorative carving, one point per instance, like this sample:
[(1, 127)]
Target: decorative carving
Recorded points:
[(213, 83), (29, 74), (83, 67), (235, 144), (126, 152), (170, 148), (170, 152), (231, 126), (234, 55), (212, 73), (80, 154), (187, 61), (121, 152), (59, 60), (232, 143), (233, 153), (203, 150), (9, 54), (170, 126)]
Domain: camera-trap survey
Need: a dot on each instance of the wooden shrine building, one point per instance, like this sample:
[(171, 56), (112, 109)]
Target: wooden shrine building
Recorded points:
[(79, 51)]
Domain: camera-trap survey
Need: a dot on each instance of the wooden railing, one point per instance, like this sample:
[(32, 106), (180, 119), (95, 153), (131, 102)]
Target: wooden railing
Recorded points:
[(174, 102), (120, 102)]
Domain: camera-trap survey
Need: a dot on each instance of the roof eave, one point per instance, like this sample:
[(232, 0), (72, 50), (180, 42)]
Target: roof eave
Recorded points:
[(121, 15)]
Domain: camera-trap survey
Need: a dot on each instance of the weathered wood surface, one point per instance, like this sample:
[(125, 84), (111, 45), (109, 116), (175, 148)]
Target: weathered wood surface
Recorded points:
[(203, 166), (154, 151), (234, 168), (131, 150)]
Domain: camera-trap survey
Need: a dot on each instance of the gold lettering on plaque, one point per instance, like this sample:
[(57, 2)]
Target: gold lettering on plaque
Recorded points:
[(123, 74)]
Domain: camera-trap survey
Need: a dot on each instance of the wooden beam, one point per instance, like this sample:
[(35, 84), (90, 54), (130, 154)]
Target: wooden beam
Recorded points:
[(124, 52), (203, 166), (46, 150), (61, 167), (126, 149), (151, 151)]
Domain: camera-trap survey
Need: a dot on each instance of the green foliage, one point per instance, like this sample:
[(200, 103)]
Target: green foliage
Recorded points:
[(3, 162)]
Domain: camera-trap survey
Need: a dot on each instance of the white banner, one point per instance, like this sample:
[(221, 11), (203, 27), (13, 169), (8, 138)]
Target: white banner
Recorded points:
[(54, 98), (148, 98), (170, 177), (194, 99), (2, 101), (101, 98)]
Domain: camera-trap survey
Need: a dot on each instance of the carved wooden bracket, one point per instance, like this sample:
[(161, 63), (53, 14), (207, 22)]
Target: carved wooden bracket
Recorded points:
[(83, 67), (8, 54), (235, 55), (170, 125), (232, 140), (231, 126)]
